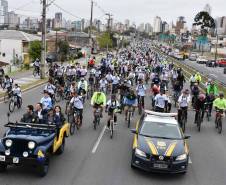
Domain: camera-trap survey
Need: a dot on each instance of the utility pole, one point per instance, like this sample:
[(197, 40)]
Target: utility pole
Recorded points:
[(109, 19), (43, 57), (91, 20)]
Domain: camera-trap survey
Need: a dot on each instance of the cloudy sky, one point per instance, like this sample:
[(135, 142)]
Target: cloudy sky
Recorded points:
[(134, 10)]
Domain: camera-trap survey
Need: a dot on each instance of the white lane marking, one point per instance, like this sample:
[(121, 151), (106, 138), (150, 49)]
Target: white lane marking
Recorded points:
[(98, 140), (189, 160)]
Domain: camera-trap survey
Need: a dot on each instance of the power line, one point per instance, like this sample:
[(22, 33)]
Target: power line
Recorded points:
[(66, 11)]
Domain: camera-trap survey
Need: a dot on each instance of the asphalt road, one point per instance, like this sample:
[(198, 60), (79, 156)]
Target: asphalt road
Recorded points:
[(216, 73), (109, 164)]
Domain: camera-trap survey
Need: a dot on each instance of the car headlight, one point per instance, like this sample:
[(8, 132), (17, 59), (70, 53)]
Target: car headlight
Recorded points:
[(140, 153), (8, 142), (31, 145), (181, 157)]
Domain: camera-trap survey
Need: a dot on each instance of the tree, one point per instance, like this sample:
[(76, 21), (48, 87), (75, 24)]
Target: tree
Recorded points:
[(35, 49), (63, 49), (105, 41), (204, 20)]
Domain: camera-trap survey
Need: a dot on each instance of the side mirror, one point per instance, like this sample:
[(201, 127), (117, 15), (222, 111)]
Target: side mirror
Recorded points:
[(134, 131), (187, 137)]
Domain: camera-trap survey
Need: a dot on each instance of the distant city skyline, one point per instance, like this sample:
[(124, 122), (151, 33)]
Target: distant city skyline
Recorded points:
[(141, 11)]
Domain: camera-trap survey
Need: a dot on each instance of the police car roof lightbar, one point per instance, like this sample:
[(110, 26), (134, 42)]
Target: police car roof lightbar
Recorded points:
[(160, 114)]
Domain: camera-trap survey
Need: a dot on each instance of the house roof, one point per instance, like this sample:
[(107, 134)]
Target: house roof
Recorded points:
[(18, 35)]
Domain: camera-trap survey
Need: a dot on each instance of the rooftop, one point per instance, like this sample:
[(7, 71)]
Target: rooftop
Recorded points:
[(18, 35)]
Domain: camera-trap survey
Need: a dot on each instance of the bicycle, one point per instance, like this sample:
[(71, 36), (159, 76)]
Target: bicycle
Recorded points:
[(76, 122), (218, 120), (140, 106), (14, 102), (36, 72), (7, 95), (59, 94), (176, 97), (207, 110), (97, 116), (199, 119), (112, 123), (183, 119)]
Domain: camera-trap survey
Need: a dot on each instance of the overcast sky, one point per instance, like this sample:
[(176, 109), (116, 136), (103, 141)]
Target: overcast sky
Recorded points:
[(134, 10)]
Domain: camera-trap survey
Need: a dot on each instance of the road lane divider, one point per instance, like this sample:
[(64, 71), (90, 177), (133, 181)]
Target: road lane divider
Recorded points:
[(98, 140)]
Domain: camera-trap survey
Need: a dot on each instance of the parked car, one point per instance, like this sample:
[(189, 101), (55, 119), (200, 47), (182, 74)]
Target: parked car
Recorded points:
[(211, 63), (193, 57), (201, 60), (221, 62), (51, 57)]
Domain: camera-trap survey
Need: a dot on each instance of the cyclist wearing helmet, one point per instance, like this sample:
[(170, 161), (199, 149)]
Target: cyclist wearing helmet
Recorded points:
[(17, 92), (141, 91), (220, 103), (111, 106), (211, 93), (82, 86), (200, 106)]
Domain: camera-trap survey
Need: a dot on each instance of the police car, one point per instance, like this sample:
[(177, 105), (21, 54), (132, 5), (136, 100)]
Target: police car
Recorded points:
[(159, 144)]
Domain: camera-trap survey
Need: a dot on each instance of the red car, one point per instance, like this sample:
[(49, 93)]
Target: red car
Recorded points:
[(221, 62)]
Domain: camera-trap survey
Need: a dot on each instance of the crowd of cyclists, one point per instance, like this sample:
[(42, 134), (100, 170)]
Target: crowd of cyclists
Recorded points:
[(122, 81)]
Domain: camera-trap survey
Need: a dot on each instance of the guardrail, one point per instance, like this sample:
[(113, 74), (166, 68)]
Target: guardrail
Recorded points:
[(188, 70)]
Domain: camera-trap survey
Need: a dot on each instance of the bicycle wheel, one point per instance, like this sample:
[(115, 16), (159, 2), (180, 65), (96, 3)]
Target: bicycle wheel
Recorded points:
[(199, 122), (6, 97), (183, 124), (219, 126), (112, 129), (129, 117), (11, 105), (95, 123), (140, 109), (72, 128), (20, 103), (57, 96), (35, 73)]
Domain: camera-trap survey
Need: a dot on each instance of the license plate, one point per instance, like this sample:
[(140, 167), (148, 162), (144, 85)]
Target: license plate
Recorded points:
[(16, 160), (2, 158), (161, 166)]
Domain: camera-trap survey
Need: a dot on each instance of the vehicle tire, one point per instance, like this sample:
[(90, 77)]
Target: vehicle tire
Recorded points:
[(61, 149), (57, 97), (3, 168), (11, 105), (219, 126), (72, 128), (44, 168)]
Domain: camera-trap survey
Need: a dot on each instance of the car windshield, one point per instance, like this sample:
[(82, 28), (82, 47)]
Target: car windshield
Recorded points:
[(160, 130), (28, 131)]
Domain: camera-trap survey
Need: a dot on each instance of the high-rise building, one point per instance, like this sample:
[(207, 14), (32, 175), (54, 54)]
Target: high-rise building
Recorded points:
[(180, 25), (127, 24), (141, 27), (208, 9), (13, 20), (77, 26), (148, 28), (157, 26), (221, 25), (165, 27), (58, 20), (3, 12)]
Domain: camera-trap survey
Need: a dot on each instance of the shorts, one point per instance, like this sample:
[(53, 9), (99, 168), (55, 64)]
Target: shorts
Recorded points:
[(97, 105)]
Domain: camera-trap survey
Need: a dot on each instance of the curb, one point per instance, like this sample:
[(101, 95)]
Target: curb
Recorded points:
[(27, 89)]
